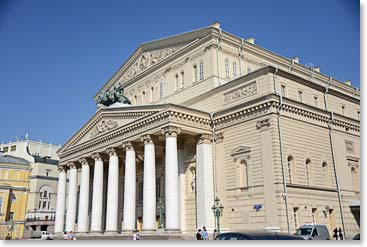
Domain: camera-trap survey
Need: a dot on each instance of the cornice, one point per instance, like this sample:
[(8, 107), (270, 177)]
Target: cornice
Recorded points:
[(179, 116)]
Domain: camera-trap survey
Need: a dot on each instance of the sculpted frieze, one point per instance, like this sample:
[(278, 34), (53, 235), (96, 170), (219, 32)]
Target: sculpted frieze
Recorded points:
[(240, 93), (147, 60), (102, 127)]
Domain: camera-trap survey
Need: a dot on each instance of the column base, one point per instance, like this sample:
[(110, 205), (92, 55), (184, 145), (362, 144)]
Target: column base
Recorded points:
[(96, 233), (82, 233), (127, 231), (172, 231), (111, 232), (149, 231)]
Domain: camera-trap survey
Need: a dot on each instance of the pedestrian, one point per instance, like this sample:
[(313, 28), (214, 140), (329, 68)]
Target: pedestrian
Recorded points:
[(198, 235), (65, 236), (136, 235), (8, 237), (215, 234), (72, 235), (205, 234), (335, 235), (341, 236)]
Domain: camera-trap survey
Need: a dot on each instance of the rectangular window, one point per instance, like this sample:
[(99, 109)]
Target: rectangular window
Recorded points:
[(13, 148), (11, 216), (315, 101), (5, 149), (182, 80), (227, 68), (161, 90), (176, 83), (295, 217), (201, 70), (314, 216), (234, 70), (195, 74), (300, 96), (282, 90)]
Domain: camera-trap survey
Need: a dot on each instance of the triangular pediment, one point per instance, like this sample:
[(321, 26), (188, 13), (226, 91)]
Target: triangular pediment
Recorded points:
[(108, 120), (240, 151), (150, 54)]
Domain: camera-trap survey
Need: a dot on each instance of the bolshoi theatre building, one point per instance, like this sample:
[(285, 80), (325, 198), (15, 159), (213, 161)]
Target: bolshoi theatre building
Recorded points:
[(205, 115)]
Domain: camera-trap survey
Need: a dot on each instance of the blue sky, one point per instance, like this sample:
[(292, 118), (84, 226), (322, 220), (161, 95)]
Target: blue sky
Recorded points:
[(55, 55)]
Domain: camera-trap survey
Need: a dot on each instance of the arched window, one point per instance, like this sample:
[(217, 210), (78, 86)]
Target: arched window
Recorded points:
[(161, 89), (151, 94), (234, 70), (226, 64), (143, 97), (195, 73), (201, 70), (244, 176), (176, 82), (45, 197), (136, 99), (290, 169), (308, 171), (355, 178), (182, 79), (325, 174)]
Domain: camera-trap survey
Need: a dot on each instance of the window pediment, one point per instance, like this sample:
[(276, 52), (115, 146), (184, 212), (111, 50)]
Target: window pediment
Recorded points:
[(241, 152)]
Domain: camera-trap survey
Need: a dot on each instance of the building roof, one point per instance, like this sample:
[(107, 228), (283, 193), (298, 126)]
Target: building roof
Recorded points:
[(7, 159)]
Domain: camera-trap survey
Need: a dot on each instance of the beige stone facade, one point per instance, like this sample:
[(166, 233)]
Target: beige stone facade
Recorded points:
[(245, 121)]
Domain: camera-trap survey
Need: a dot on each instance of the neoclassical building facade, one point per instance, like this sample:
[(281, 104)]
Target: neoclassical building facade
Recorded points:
[(212, 116)]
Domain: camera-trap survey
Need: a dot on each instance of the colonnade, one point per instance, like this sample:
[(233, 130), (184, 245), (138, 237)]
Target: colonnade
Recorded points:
[(172, 189)]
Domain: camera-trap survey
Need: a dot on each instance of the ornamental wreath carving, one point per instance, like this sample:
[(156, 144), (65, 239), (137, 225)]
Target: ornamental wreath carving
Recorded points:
[(104, 126)]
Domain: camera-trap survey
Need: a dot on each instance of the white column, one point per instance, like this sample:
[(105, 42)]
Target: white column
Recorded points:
[(60, 206), (97, 199), (149, 193), (129, 188), (205, 187), (112, 191), (72, 194), (181, 181), (84, 197), (172, 205)]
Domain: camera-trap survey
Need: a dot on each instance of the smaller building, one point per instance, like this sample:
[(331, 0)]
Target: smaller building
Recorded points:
[(14, 188)]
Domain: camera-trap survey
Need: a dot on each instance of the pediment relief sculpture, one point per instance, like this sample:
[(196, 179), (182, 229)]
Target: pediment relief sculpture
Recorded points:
[(147, 60), (102, 127)]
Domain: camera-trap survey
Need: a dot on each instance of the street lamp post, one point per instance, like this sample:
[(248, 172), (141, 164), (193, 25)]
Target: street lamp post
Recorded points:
[(217, 210), (160, 208)]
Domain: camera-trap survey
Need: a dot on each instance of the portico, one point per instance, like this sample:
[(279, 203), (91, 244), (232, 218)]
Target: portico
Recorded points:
[(124, 162)]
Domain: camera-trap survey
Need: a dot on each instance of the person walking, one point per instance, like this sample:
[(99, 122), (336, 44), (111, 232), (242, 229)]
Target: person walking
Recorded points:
[(205, 234), (136, 235), (335, 235), (65, 236), (198, 235), (215, 234), (341, 236)]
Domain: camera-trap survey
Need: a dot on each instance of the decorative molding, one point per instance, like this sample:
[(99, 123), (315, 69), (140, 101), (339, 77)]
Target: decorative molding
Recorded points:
[(62, 168), (263, 123), (128, 146), (219, 137), (171, 131), (104, 126), (240, 93), (72, 165)]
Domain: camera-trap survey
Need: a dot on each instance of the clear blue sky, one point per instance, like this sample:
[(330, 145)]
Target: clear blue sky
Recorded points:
[(55, 55)]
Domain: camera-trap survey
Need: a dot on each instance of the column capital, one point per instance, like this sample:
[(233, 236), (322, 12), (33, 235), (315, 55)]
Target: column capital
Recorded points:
[(147, 139), (62, 168), (72, 165), (111, 152), (128, 146), (219, 137), (83, 161), (96, 156), (205, 139), (171, 131)]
